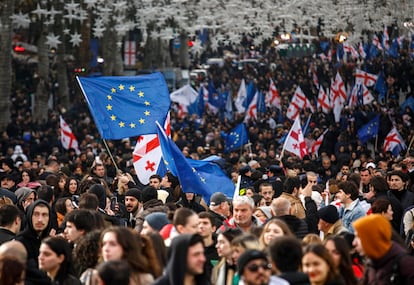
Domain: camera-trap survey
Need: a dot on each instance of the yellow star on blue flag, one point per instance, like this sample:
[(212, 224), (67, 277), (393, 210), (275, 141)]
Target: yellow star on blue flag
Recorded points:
[(369, 130), (126, 106)]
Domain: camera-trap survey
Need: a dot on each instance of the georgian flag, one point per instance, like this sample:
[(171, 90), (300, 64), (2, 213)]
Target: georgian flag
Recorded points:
[(317, 144), (147, 155), (367, 97), (299, 101), (362, 77), (376, 42), (394, 142), (67, 137), (337, 96), (295, 142), (323, 100), (273, 97)]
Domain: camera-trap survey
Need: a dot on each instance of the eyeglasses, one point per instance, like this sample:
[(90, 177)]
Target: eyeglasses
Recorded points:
[(255, 267)]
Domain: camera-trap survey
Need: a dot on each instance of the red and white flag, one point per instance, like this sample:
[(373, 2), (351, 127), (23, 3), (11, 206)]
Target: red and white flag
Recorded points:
[(349, 48), (323, 100), (299, 101), (67, 137), (251, 112), (295, 142), (361, 50), (362, 77), (273, 97), (337, 96), (317, 144), (393, 140), (147, 154), (129, 53), (376, 42), (367, 97)]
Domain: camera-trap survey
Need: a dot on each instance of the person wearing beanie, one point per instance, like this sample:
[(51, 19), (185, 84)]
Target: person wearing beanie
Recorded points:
[(154, 222), (133, 206), (329, 222), (254, 268), (389, 260), (150, 204)]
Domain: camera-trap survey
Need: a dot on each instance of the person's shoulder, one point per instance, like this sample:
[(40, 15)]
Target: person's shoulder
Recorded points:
[(162, 280), (274, 280)]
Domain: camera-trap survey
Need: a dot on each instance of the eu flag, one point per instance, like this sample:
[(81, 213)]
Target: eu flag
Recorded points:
[(369, 130), (235, 139), (195, 176), (126, 106)]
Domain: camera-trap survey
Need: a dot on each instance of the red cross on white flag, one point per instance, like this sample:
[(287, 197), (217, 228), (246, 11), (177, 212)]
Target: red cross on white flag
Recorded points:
[(67, 137), (362, 77), (295, 142), (147, 154), (273, 96), (129, 53)]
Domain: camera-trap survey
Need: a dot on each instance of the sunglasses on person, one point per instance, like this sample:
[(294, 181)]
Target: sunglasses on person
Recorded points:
[(255, 267)]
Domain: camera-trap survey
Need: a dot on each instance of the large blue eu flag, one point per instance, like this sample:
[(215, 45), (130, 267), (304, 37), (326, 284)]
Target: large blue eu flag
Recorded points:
[(195, 176), (126, 106)]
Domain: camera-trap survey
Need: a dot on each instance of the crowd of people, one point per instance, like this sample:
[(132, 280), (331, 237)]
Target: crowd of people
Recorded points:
[(343, 215)]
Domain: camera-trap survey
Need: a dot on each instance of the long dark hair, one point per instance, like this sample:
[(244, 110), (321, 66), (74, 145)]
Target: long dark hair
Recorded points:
[(60, 246), (345, 265), (132, 249), (320, 250), (11, 270)]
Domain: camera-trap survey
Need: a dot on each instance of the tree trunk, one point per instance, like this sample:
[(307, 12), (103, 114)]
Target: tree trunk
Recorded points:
[(184, 58), (111, 49), (43, 89), (6, 10)]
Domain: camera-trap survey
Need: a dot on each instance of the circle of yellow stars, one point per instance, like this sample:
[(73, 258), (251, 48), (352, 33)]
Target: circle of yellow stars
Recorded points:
[(110, 107)]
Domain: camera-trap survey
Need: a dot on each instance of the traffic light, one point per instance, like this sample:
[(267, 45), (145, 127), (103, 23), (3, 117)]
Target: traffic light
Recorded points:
[(80, 70)]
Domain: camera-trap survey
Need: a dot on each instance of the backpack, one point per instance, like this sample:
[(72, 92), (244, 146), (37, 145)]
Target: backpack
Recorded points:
[(395, 277)]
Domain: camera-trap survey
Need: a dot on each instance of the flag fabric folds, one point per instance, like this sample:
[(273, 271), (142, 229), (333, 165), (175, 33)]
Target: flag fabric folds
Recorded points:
[(67, 137), (369, 130), (394, 142), (195, 176), (362, 77), (235, 139), (186, 95), (323, 100), (147, 155), (314, 149), (299, 101), (241, 97), (273, 96), (251, 112), (126, 106), (295, 142)]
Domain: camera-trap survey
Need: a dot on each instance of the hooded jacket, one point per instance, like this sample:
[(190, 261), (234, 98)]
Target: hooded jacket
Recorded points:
[(177, 264), (31, 241)]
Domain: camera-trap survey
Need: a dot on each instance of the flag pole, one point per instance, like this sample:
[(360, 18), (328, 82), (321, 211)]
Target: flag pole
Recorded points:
[(104, 141), (110, 155), (409, 146)]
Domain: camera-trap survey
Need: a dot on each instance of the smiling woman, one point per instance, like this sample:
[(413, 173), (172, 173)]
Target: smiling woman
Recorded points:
[(318, 264)]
